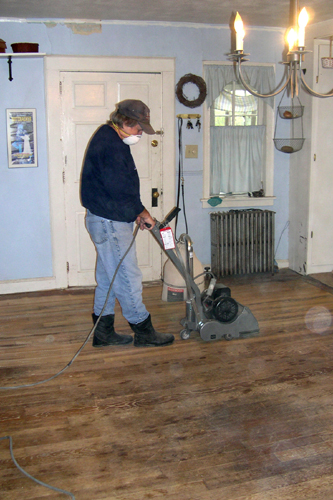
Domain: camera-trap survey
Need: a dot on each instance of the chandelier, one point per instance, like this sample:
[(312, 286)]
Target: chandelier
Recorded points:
[(295, 56)]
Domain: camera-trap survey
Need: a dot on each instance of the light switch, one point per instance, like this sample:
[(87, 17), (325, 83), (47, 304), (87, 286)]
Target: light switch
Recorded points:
[(191, 151)]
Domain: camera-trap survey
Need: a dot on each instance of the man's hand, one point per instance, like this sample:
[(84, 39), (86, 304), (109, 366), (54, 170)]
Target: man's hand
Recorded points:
[(145, 220)]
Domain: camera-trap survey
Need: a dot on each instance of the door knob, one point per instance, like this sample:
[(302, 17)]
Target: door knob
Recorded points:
[(154, 197), (154, 143)]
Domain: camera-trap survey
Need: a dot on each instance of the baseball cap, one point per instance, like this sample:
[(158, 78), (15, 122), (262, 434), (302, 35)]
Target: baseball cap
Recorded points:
[(136, 110)]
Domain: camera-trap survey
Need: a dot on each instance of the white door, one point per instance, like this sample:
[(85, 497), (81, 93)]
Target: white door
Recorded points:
[(87, 100), (321, 198)]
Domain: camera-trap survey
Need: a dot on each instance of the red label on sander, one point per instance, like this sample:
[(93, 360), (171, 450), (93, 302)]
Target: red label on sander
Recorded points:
[(167, 238)]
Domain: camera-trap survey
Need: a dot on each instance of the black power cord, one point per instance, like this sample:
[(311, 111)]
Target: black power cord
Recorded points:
[(180, 175)]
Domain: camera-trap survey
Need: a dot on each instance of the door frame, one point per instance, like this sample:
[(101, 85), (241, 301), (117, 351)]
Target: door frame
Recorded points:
[(54, 65), (316, 145)]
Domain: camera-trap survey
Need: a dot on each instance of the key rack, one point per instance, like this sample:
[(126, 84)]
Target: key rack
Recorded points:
[(10, 56), (187, 116)]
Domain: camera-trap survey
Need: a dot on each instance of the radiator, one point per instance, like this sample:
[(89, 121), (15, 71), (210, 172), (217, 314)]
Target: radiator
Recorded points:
[(242, 242)]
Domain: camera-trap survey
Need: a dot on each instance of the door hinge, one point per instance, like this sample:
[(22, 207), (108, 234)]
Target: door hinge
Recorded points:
[(60, 88), (311, 234), (63, 176), (67, 266)]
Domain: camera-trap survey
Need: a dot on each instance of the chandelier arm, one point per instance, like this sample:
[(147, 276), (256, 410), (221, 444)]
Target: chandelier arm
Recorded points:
[(309, 89), (256, 94)]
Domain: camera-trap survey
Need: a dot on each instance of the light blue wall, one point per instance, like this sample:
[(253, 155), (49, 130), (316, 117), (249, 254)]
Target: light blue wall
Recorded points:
[(25, 249)]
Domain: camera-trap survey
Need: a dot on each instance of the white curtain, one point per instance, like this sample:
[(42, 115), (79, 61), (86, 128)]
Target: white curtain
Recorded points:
[(260, 78), (242, 103), (236, 158)]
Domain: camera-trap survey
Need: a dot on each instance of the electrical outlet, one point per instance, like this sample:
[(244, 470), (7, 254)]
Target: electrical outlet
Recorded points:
[(191, 151)]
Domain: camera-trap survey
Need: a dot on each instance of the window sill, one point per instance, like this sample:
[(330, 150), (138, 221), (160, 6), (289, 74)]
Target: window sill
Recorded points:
[(240, 201)]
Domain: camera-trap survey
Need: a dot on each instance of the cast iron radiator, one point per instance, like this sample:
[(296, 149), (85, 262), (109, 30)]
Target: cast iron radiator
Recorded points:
[(242, 242)]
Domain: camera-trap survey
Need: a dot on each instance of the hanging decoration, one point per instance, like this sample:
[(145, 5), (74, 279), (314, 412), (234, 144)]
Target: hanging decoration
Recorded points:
[(292, 111), (196, 80)]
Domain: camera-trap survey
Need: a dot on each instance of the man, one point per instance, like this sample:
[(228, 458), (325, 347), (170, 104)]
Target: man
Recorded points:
[(110, 191)]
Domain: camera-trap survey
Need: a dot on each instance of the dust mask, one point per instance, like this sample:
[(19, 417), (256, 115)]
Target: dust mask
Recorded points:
[(132, 139)]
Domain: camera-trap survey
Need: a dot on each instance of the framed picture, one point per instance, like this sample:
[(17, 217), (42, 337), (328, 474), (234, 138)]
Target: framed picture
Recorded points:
[(22, 138)]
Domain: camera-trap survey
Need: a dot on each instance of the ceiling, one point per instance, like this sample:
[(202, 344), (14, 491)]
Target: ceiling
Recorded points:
[(253, 12)]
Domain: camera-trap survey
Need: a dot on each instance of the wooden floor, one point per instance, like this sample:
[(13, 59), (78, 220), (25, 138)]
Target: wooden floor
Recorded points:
[(325, 278), (249, 419)]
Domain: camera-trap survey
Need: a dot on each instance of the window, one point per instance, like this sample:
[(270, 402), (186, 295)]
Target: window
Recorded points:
[(235, 106), (238, 136)]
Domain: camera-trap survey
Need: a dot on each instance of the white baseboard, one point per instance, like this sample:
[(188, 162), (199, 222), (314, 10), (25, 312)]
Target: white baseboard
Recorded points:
[(27, 285), (282, 264), (40, 284)]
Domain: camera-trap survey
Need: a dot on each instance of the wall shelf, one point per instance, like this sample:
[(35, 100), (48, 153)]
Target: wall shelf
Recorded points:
[(14, 55)]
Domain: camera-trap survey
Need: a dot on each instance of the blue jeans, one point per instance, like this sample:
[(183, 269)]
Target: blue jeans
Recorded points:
[(112, 239)]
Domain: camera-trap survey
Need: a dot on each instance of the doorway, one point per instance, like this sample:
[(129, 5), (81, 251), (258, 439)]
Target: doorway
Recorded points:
[(81, 93), (320, 237)]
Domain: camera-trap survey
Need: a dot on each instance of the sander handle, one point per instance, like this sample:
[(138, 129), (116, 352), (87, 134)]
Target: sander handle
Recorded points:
[(167, 219)]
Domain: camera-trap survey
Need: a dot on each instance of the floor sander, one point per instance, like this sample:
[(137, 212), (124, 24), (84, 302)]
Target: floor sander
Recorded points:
[(213, 313), (174, 286)]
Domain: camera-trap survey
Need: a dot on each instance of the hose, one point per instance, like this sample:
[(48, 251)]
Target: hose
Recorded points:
[(59, 373), (59, 490), (91, 332)]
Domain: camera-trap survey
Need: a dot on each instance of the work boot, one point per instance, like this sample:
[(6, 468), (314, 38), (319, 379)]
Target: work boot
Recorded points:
[(104, 335), (145, 335)]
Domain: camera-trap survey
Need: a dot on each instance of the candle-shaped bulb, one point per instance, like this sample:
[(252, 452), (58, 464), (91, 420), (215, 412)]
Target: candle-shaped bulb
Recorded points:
[(303, 19), (291, 39), (238, 24)]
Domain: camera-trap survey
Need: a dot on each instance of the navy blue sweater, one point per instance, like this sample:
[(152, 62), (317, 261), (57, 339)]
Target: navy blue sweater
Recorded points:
[(110, 185)]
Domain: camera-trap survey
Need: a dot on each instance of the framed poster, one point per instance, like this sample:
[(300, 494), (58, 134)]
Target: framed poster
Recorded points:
[(22, 138)]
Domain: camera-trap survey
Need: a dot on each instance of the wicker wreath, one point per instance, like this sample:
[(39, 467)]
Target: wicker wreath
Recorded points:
[(199, 82)]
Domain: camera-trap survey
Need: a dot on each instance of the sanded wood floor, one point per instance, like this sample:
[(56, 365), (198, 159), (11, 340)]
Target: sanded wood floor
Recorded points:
[(249, 419)]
